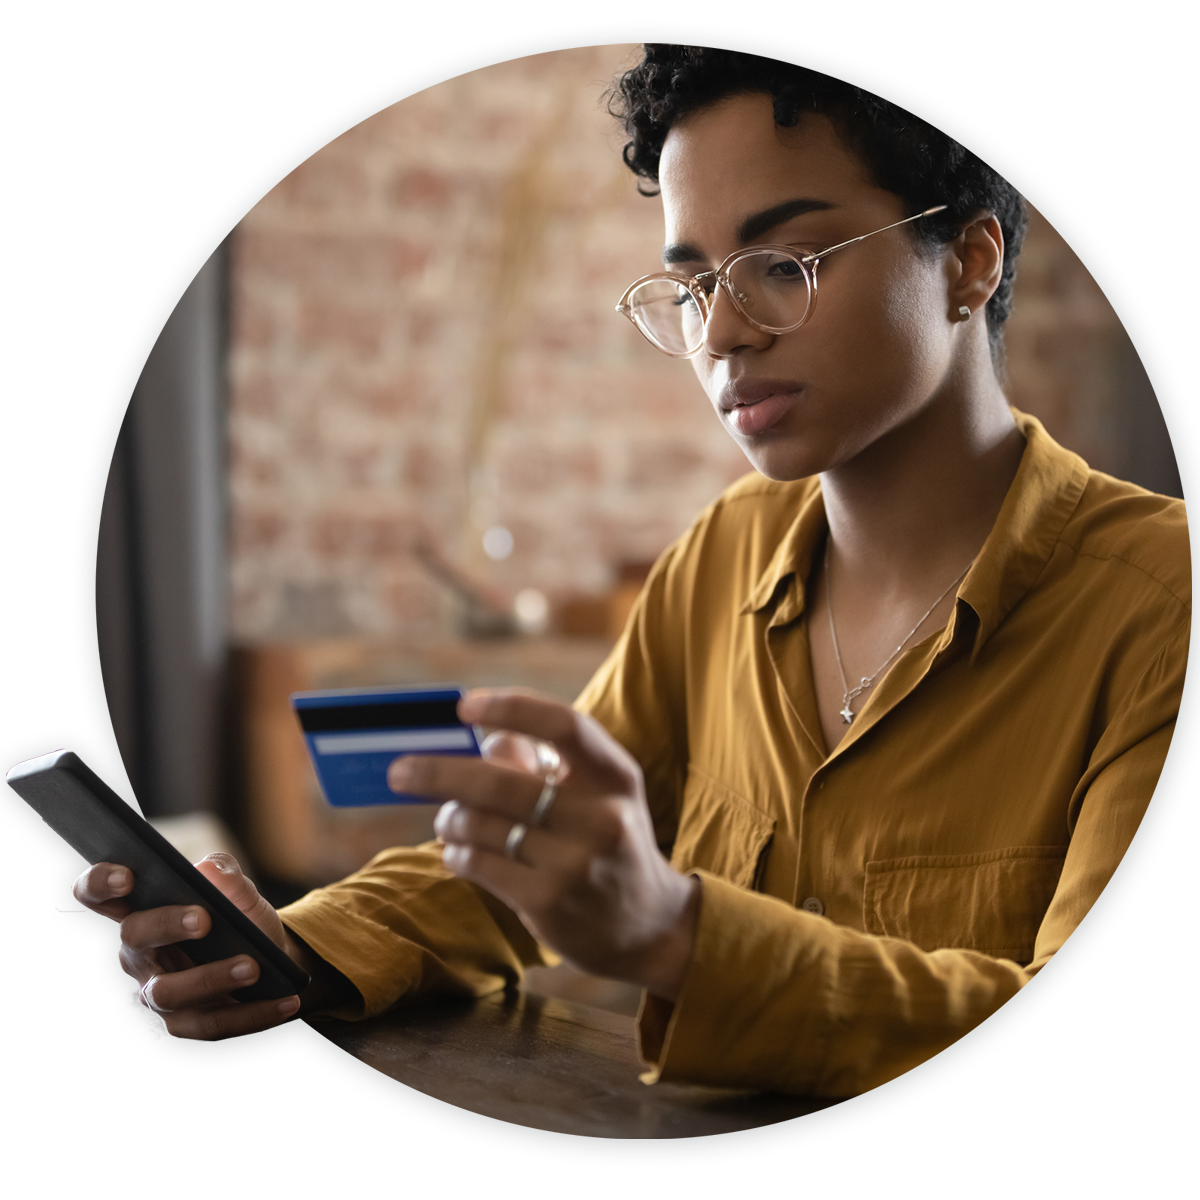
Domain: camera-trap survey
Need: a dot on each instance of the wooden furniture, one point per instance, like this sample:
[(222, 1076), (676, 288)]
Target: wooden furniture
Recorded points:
[(558, 1056), (548, 1063)]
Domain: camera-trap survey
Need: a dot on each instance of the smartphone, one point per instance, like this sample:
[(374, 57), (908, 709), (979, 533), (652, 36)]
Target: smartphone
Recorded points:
[(353, 734), (82, 809)]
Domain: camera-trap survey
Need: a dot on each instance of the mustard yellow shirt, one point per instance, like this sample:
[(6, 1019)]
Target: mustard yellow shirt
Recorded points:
[(860, 910)]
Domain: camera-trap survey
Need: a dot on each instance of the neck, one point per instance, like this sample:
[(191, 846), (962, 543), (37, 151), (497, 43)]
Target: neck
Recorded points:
[(917, 504)]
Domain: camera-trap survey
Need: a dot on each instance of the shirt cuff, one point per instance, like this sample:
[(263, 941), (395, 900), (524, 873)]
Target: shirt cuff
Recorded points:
[(370, 956), (445, 939), (723, 1029)]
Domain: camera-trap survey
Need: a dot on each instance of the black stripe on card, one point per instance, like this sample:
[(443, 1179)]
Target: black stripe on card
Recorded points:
[(418, 714)]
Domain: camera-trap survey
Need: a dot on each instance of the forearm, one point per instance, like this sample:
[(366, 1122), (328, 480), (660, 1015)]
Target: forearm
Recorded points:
[(403, 927), (662, 965)]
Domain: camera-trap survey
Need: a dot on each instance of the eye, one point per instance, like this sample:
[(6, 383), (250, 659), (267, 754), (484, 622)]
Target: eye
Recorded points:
[(683, 296), (785, 268)]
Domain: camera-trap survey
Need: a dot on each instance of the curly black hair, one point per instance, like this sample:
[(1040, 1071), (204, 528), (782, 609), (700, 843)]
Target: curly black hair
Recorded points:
[(904, 155)]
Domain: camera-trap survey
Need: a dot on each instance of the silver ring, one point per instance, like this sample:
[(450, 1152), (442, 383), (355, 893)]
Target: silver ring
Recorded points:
[(512, 843), (145, 995), (544, 801)]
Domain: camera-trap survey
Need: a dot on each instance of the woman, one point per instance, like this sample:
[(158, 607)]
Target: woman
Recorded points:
[(893, 707)]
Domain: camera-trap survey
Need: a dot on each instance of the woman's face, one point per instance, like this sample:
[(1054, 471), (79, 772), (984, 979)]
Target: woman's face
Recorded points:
[(878, 348)]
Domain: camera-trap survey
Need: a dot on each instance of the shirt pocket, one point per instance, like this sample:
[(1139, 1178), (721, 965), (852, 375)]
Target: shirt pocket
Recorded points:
[(992, 903), (721, 832)]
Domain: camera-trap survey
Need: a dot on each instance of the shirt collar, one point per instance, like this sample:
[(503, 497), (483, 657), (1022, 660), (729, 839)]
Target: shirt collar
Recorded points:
[(1043, 495), (793, 556)]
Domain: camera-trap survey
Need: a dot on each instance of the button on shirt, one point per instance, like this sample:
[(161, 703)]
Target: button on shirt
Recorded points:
[(859, 910)]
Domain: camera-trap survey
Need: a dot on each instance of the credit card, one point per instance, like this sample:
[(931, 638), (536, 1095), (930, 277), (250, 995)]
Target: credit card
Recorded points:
[(353, 734)]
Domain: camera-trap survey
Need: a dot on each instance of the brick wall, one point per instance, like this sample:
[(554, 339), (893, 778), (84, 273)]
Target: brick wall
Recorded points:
[(424, 347), (1071, 363)]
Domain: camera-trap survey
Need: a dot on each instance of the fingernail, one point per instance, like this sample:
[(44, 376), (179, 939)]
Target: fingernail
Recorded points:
[(285, 1008), (399, 773), (116, 880), (191, 921), (243, 970)]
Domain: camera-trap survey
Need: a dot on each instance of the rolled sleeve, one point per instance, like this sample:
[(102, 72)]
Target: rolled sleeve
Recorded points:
[(403, 927)]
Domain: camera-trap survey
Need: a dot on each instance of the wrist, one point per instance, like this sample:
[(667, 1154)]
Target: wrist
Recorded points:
[(328, 988), (667, 964)]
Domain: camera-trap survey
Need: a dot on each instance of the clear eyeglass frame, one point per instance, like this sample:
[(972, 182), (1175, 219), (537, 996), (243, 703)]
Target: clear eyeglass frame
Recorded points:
[(702, 288)]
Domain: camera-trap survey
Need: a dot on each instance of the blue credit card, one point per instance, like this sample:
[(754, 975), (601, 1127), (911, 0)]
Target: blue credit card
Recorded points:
[(353, 734)]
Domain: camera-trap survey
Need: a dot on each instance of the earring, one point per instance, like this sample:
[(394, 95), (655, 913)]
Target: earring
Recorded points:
[(964, 313)]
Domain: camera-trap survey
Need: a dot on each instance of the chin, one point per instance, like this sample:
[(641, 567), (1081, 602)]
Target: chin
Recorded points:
[(799, 446), (783, 463)]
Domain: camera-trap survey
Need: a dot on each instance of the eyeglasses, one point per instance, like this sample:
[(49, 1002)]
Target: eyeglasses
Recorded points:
[(774, 288)]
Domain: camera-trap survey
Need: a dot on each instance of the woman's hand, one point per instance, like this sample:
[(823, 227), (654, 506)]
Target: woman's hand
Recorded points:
[(588, 880), (194, 1002)]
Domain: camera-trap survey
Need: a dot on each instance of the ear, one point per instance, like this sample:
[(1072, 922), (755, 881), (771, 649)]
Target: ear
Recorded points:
[(975, 262)]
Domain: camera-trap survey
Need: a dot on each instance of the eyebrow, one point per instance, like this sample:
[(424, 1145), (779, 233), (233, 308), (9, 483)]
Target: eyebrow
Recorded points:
[(752, 227)]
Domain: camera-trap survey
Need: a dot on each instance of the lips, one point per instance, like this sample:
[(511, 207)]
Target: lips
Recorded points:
[(754, 406)]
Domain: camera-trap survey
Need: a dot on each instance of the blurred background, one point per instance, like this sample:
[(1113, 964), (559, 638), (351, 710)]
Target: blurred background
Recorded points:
[(395, 433)]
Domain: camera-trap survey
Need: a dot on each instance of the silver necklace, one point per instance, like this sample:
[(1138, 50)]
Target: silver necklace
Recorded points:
[(849, 693)]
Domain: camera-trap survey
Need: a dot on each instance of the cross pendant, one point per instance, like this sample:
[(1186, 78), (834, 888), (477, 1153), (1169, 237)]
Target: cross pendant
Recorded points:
[(847, 715)]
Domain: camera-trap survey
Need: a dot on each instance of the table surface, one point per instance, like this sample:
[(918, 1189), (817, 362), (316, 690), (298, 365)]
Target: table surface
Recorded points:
[(548, 1063)]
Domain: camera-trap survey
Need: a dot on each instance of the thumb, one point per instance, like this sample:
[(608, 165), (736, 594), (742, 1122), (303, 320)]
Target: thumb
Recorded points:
[(223, 871)]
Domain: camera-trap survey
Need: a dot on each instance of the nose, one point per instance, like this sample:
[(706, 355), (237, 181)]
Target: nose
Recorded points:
[(726, 331)]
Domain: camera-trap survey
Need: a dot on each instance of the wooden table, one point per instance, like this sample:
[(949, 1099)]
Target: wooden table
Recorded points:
[(548, 1063)]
